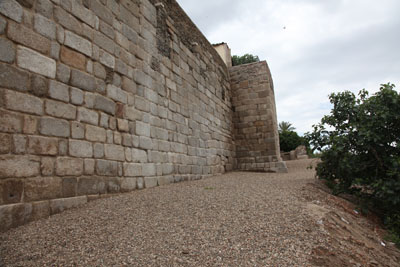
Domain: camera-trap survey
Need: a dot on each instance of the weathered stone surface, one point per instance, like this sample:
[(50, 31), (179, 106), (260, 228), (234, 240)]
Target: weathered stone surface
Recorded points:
[(95, 134), (47, 166), (104, 42), (106, 167), (58, 91), (142, 129), (145, 142), (44, 26), (23, 102), (80, 149), (40, 210), (40, 145), (14, 215), (82, 80), (104, 104), (76, 96), (89, 165), (39, 85), (5, 143), (11, 191), (26, 3), (88, 116), (60, 110), (40, 188), (23, 35), (13, 78), (101, 11), (3, 24), (11, 9), (61, 204), (54, 127), (69, 166), (98, 150), (107, 59), (150, 182), (44, 7), (78, 43), (67, 20), (63, 73), (128, 184), (77, 130), (69, 186), (132, 169), (18, 166), (83, 14), (19, 144), (10, 122), (114, 152), (72, 58), (35, 62), (117, 94), (7, 51), (149, 169)]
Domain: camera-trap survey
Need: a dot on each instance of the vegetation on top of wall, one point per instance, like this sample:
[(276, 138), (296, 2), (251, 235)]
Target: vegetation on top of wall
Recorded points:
[(360, 145), (245, 59)]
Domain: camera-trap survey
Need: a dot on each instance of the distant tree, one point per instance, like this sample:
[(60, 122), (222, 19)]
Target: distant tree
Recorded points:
[(285, 126), (289, 140), (245, 59)]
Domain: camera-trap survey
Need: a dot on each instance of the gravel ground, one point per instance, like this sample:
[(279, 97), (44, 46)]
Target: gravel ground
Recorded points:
[(237, 219)]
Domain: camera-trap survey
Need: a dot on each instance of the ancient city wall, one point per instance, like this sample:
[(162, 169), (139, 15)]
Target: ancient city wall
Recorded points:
[(256, 130), (105, 96)]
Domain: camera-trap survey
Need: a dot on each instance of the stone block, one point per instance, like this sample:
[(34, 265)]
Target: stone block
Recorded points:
[(123, 125), (67, 20), (98, 150), (128, 85), (23, 102), (107, 59), (142, 104), (3, 24), (30, 124), (81, 149), (106, 167), (82, 80), (25, 36), (95, 134), (83, 14), (76, 96), (35, 62), (40, 210), (104, 104), (129, 33), (73, 58), (78, 43), (18, 166), (44, 7), (99, 71), (117, 94), (149, 169), (39, 86), (11, 191), (44, 26), (5, 143), (145, 142), (47, 166), (60, 110), (40, 145), (91, 186), (77, 130), (13, 78), (104, 42), (102, 12), (69, 186), (59, 91), (63, 73), (128, 184), (167, 169), (55, 50), (62, 147), (114, 152), (14, 215), (54, 127), (113, 185), (7, 51), (142, 129), (104, 120), (11, 9), (150, 182), (69, 166), (41, 188), (61, 204), (132, 169), (89, 166), (88, 116), (164, 180)]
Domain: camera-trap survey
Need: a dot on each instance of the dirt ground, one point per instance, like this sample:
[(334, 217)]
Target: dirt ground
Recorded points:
[(236, 219)]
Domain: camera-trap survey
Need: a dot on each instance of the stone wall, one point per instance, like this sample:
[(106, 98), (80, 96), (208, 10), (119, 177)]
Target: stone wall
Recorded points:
[(256, 130), (105, 96)]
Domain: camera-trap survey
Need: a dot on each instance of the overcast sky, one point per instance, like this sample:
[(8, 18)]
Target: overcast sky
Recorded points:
[(313, 47)]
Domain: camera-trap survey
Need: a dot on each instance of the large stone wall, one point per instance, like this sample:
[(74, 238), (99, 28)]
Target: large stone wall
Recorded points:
[(105, 96), (256, 130)]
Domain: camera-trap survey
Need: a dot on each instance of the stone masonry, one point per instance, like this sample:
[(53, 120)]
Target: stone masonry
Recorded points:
[(106, 96)]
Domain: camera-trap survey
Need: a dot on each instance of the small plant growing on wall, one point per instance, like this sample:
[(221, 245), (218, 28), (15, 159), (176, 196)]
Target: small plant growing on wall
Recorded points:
[(245, 59)]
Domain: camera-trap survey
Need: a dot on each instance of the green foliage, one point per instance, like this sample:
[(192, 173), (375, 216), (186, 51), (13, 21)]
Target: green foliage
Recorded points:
[(245, 59), (285, 126), (289, 140), (360, 145)]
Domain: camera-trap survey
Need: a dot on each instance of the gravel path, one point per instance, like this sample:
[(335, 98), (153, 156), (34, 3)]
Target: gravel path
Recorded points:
[(237, 219)]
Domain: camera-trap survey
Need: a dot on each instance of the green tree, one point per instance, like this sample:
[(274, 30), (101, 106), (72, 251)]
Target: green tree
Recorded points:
[(360, 144), (289, 140), (285, 126), (245, 59)]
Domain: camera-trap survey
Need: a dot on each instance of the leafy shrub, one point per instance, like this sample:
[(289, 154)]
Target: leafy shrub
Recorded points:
[(360, 144), (289, 140), (245, 59)]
